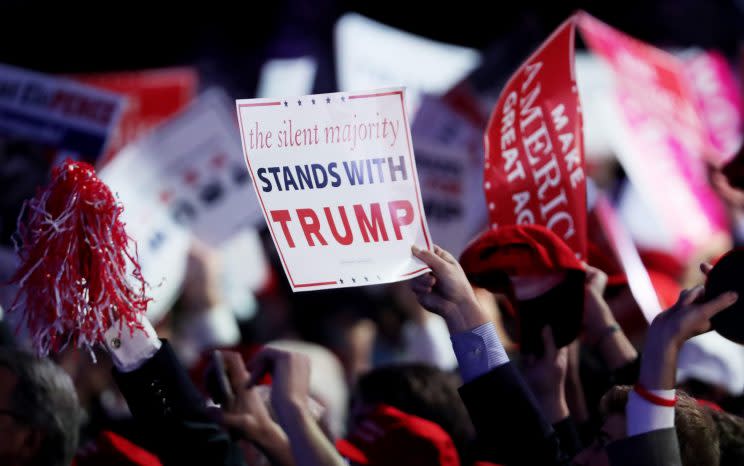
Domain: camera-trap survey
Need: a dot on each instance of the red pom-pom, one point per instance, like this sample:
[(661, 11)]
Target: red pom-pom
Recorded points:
[(74, 258)]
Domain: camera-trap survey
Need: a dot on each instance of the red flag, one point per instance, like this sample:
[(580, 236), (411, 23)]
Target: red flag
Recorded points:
[(534, 168)]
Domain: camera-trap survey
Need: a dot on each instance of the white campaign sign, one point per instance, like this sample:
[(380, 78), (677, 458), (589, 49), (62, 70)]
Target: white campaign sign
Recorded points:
[(192, 165), (336, 178)]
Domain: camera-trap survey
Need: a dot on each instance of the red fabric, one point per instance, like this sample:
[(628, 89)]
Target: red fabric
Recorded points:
[(517, 250), (111, 449), (390, 437)]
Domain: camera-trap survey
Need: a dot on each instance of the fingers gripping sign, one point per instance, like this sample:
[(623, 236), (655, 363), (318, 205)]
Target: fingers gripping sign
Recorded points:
[(446, 291)]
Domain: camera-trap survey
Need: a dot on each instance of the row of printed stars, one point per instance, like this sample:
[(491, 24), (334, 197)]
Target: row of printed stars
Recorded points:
[(327, 99), (354, 280)]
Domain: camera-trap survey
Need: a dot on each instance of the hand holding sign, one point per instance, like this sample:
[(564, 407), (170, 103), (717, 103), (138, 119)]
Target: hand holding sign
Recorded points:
[(446, 291)]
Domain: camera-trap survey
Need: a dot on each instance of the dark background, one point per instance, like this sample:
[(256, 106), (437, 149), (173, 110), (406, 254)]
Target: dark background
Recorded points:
[(228, 41)]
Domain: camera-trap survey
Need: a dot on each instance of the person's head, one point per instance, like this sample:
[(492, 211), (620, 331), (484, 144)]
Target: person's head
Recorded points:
[(730, 430), (698, 439), (419, 390), (39, 411)]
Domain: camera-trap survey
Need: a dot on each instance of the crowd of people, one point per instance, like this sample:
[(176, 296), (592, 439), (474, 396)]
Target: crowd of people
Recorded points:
[(514, 352), (297, 403)]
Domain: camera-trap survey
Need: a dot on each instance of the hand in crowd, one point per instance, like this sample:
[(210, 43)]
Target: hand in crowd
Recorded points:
[(201, 290), (447, 292), (290, 375), (597, 315), (670, 329), (546, 376), (290, 399), (600, 328), (249, 416)]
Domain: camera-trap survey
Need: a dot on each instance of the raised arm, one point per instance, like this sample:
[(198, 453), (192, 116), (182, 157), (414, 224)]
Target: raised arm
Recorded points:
[(510, 426)]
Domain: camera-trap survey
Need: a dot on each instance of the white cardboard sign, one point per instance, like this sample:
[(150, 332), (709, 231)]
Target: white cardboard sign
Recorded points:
[(336, 178)]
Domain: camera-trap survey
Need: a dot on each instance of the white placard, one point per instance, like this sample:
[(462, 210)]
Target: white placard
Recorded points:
[(336, 178)]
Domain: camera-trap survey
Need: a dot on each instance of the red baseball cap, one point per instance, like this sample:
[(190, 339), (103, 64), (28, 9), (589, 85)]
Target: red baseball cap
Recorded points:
[(516, 251), (390, 437), (497, 258)]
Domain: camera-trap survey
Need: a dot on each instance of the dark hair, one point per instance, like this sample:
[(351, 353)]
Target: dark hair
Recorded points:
[(730, 436), (696, 431), (423, 391), (44, 398)]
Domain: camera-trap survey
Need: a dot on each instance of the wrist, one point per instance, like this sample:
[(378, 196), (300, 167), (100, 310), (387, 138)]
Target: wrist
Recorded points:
[(658, 365), (273, 442), (290, 409), (466, 316), (604, 334)]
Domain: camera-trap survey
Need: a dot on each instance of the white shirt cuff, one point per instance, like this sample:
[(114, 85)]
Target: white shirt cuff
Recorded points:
[(643, 416), (131, 349), (478, 351)]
